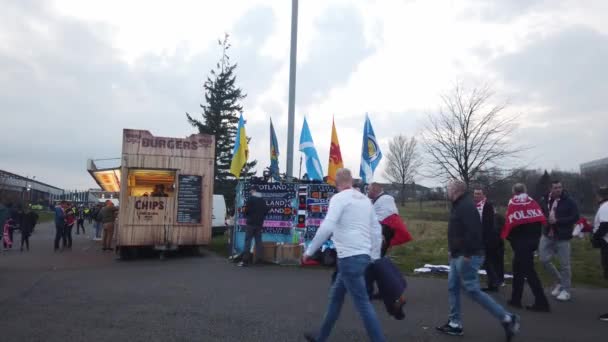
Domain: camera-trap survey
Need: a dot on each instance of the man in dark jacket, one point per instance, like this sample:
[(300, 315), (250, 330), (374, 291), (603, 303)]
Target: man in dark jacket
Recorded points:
[(600, 233), (59, 223), (27, 226), (562, 213), (256, 211), (465, 243), (493, 244)]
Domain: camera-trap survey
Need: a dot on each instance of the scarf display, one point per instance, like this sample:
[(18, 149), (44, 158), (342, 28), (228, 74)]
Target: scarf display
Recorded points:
[(522, 210)]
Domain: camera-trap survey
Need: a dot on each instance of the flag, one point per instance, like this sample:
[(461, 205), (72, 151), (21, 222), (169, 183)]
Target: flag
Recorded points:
[(335, 156), (307, 146), (274, 154), (370, 153), (241, 150)]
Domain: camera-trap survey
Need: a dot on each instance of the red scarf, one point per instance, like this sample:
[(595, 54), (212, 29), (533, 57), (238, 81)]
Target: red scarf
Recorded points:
[(522, 210)]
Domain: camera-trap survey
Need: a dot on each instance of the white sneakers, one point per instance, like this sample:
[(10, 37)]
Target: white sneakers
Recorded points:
[(563, 296), (559, 294), (557, 289)]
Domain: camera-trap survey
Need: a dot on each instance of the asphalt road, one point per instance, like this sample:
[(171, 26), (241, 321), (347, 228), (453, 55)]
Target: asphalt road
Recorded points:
[(87, 295)]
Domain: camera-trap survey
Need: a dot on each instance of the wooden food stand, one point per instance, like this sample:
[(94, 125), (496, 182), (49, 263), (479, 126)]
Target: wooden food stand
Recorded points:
[(166, 191)]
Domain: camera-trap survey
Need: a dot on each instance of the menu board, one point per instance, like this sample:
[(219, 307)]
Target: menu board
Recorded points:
[(189, 199)]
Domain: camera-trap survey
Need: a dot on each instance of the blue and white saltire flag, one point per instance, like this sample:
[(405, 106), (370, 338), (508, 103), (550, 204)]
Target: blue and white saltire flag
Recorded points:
[(307, 146), (370, 153)]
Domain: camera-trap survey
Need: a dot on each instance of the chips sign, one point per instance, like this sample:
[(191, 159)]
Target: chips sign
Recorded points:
[(148, 209)]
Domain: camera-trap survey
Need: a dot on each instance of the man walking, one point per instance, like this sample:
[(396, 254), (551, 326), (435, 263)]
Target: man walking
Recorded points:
[(59, 223), (465, 244), (108, 215), (562, 213), (493, 244), (80, 215), (523, 229), (96, 214), (357, 237), (256, 211), (600, 228)]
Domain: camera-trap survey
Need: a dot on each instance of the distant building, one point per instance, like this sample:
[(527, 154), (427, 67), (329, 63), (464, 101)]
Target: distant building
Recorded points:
[(15, 188), (596, 171)]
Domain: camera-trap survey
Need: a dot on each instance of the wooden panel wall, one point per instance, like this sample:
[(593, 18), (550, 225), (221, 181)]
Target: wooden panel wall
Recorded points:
[(199, 162)]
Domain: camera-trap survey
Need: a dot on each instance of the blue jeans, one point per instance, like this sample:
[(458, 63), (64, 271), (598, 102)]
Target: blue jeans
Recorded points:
[(97, 229), (463, 274), (350, 278)]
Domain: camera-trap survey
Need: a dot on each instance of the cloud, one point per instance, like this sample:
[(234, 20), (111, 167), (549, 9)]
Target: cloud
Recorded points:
[(501, 11), (335, 53), (67, 93), (563, 74), (566, 71)]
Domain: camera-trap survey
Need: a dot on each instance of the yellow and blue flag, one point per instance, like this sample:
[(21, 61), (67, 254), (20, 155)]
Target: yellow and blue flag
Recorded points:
[(241, 150), (274, 154)]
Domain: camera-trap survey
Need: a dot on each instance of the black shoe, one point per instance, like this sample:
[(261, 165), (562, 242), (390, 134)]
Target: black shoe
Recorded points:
[(538, 308), (604, 317), (310, 337), (490, 289), (511, 327), (450, 330), (242, 264), (514, 304)]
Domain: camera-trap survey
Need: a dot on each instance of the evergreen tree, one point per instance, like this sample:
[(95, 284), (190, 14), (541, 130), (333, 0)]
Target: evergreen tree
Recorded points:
[(220, 118), (543, 186)]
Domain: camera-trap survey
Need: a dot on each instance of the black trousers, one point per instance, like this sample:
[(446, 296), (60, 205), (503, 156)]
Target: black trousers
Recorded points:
[(59, 230), (80, 224), (67, 236), (604, 254), (25, 240), (494, 264), (253, 232), (523, 269)]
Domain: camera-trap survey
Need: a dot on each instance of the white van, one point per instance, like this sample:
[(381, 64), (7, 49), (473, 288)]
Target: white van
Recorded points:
[(218, 218)]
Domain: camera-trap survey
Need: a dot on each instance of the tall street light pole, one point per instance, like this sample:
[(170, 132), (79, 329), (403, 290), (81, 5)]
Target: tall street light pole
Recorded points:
[(292, 86)]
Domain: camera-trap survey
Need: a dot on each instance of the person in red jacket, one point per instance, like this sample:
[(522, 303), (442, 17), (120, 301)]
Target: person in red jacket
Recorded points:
[(394, 231), (70, 219)]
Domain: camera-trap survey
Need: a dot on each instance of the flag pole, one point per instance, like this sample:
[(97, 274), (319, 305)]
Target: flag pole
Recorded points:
[(292, 87), (300, 173)]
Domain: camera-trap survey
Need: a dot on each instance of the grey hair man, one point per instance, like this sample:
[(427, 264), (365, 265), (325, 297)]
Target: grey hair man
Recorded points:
[(466, 248)]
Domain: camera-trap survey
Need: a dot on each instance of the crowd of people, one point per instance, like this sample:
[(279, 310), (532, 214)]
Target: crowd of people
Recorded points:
[(17, 219), (66, 215), (362, 235)]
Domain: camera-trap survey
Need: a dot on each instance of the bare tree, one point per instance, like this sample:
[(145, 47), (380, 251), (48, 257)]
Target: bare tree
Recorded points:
[(469, 134), (403, 162)]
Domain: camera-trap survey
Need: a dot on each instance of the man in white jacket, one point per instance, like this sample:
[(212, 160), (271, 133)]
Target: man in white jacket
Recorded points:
[(356, 233)]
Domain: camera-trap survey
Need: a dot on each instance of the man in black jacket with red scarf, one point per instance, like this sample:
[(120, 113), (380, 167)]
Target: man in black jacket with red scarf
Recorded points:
[(494, 246)]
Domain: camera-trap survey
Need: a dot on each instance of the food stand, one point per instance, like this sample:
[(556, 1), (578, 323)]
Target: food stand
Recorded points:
[(166, 189), (296, 212)]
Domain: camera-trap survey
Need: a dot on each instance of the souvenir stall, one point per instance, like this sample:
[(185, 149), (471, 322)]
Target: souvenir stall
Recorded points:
[(296, 212)]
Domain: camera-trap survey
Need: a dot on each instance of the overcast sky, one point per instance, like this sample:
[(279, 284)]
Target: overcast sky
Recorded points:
[(74, 73)]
